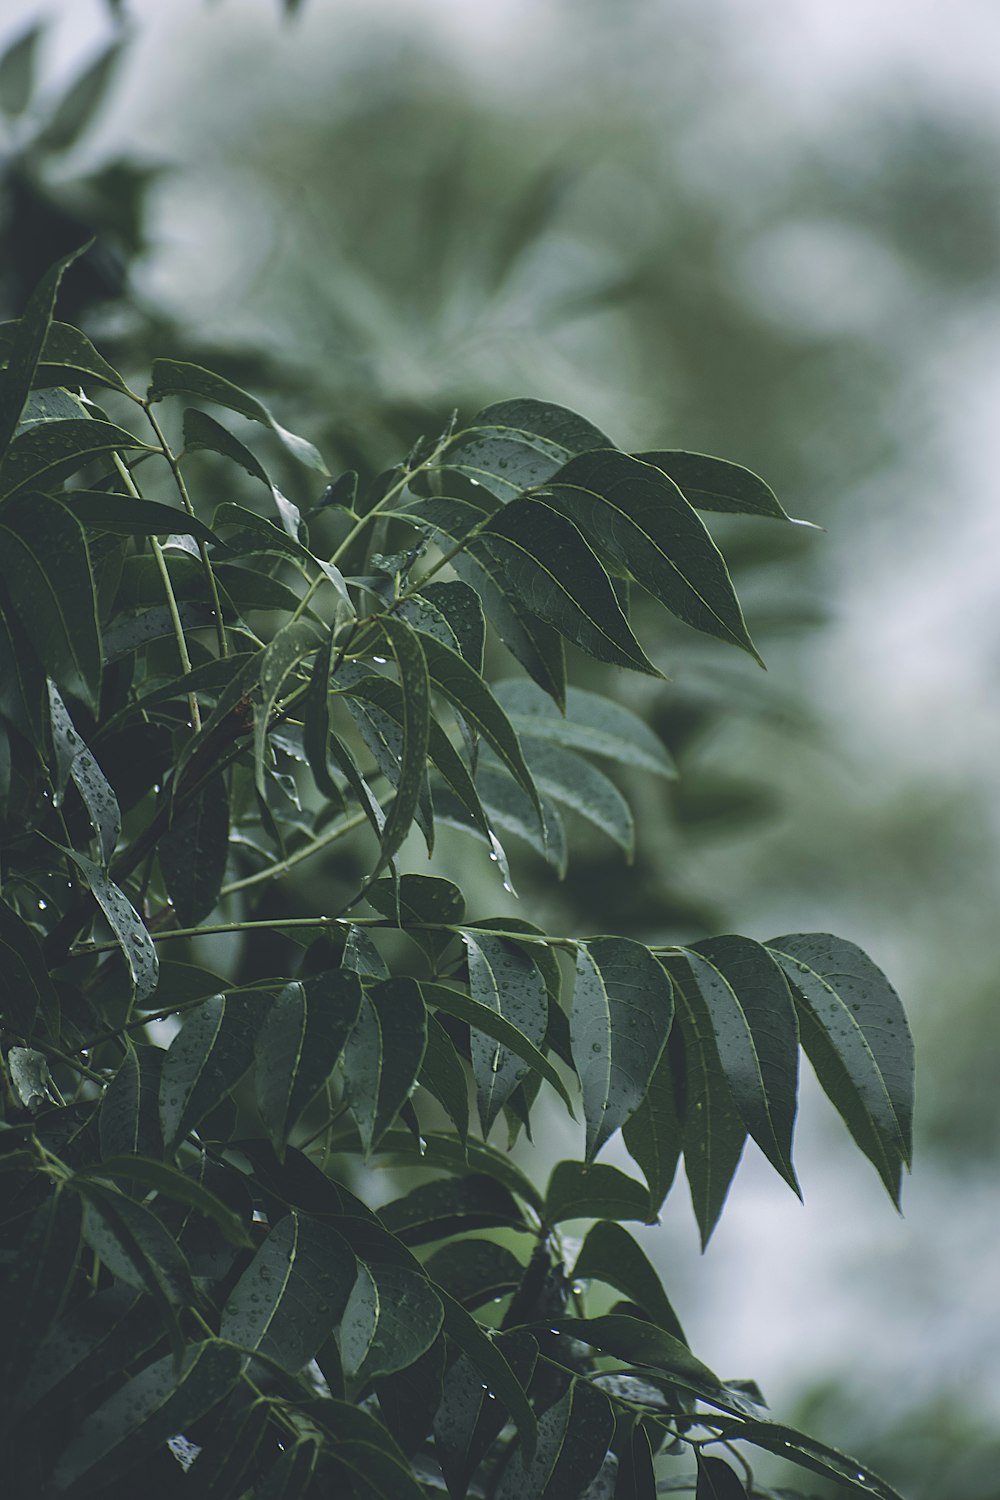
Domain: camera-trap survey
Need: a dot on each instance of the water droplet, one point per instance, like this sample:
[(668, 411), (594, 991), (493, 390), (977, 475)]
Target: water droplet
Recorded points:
[(43, 906), (494, 856), (380, 660), (553, 1330)]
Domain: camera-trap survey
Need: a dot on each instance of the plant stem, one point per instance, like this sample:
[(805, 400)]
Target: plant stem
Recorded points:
[(274, 872)]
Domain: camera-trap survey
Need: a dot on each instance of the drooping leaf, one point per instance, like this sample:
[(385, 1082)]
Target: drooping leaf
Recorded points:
[(610, 1254), (416, 699), (713, 1133), (28, 988), (392, 1317), (193, 853), (856, 1036), (129, 1115), (572, 781), (409, 1398), (515, 445), (622, 1013), (45, 567), (500, 1374), (36, 1282), (550, 568), (579, 1191), (81, 102), (459, 609), (451, 1155), (592, 723), (717, 1481), (640, 1343), (442, 1075), (451, 1205), (126, 924), (45, 455), (383, 1055), (717, 484), (171, 1183), (293, 641), (530, 640), (68, 358), (744, 996), (654, 1133), (474, 1271), (799, 1449), (293, 1293), (223, 1468), (635, 515), (122, 515), (133, 1243), (91, 782), (108, 1330), (573, 1438), (503, 977), (298, 1046), (17, 71), (292, 1474), (147, 1410), (421, 904), (206, 1059), (482, 1016), (173, 377), (27, 341)]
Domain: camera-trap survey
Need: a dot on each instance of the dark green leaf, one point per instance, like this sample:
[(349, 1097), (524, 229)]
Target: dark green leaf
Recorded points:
[(293, 641), (126, 924), (573, 1439), (640, 1343), (716, 484), (91, 782), (107, 1330), (193, 853), (68, 358), (483, 1017), (290, 1477), (610, 1254), (147, 1410), (441, 1074), (475, 1271), (536, 645), (383, 1055), (27, 987), (573, 781), (470, 1417), (259, 535), (451, 1155), (207, 1058), (45, 455), (717, 1481), (451, 1205), (622, 1013), (392, 1317), (809, 1454), (416, 701), (855, 1034), (653, 1134), (226, 1462), (125, 516), (36, 1283), (293, 1293), (46, 569), (577, 1191), (743, 993), (515, 445), (452, 612), (488, 1358), (550, 568), (298, 1045), (171, 1183), (26, 344), (372, 1473), (316, 730), (506, 979), (634, 514), (420, 903), (172, 377), (129, 1114), (713, 1134), (133, 1243), (591, 723), (409, 1398)]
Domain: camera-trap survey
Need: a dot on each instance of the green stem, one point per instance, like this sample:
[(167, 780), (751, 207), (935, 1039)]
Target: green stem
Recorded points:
[(274, 872), (206, 562)]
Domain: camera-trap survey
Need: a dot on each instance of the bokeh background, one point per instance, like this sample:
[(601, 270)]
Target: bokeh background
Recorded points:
[(768, 229)]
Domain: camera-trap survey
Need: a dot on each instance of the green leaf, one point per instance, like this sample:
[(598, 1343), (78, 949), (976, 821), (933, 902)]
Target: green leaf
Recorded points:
[(484, 1017), (610, 1254), (416, 702), (578, 1191), (592, 723), (173, 377), (46, 569), (574, 782), (143, 1413), (126, 924), (856, 1036), (805, 1451), (290, 1477), (573, 1439), (122, 515), (68, 358), (515, 445), (229, 1451), (91, 782), (452, 1155), (110, 1329), (167, 1180), (713, 1134), (418, 903), (133, 1243), (258, 534), (716, 484), (80, 103), (45, 455), (36, 1283), (622, 1012), (299, 1044), (441, 1074), (129, 1115), (392, 1317), (745, 998), (640, 1343), (505, 979), (487, 1357), (30, 1078), (26, 345), (27, 988), (293, 1293), (653, 1134), (453, 613), (17, 71), (550, 568), (717, 1481), (383, 1055), (316, 722), (638, 517), (409, 1398), (372, 1473), (193, 853), (532, 642), (451, 1205), (293, 641), (475, 1271), (470, 1417), (207, 1058)]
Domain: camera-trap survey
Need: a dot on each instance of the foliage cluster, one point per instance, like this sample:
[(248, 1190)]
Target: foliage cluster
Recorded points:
[(202, 688)]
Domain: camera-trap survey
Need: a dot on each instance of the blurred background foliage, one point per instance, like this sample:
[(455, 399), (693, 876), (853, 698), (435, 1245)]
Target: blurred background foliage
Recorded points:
[(721, 227)]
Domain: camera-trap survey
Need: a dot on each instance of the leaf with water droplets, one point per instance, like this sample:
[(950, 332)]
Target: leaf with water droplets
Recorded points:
[(503, 977), (579, 1191), (90, 781), (298, 1046), (126, 924), (28, 987), (392, 1317), (207, 1058), (610, 1254), (383, 1055)]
